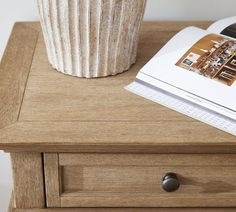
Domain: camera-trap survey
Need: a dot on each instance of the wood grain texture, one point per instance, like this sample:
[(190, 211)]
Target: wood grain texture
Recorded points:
[(28, 180), (226, 200), (134, 180), (83, 121), (102, 117), (112, 136), (13, 209), (124, 210), (127, 210), (98, 159), (52, 181), (111, 181), (45, 100), (14, 70)]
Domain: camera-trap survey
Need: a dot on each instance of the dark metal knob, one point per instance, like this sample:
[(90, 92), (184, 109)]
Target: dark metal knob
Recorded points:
[(170, 182)]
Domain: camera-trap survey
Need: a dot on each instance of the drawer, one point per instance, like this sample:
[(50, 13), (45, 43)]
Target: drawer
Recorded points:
[(135, 180)]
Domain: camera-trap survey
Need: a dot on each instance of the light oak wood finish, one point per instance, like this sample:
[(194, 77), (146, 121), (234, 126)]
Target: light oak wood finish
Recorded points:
[(134, 180), (14, 70), (38, 116), (52, 180), (76, 117), (97, 136), (12, 209), (127, 210), (28, 180)]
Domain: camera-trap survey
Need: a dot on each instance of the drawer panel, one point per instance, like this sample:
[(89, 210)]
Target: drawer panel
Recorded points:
[(135, 180)]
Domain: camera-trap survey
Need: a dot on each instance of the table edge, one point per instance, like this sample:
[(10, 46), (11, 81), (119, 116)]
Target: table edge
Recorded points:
[(14, 71)]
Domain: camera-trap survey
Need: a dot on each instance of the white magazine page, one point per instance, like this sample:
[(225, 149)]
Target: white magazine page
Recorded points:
[(185, 95), (176, 65), (225, 27)]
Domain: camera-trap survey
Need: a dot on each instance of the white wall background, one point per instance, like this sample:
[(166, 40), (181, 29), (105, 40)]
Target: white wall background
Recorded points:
[(26, 10)]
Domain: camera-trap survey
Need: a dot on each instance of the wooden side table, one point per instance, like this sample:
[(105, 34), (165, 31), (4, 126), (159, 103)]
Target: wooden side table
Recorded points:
[(79, 144)]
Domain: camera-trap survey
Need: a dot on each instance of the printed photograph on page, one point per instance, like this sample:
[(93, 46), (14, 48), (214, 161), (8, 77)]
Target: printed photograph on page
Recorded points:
[(213, 57)]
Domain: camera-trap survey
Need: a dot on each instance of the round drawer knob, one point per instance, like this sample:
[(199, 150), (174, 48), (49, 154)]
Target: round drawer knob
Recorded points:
[(170, 182)]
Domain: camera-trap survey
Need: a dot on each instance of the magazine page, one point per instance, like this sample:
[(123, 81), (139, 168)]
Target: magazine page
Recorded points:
[(225, 27), (200, 63), (186, 39)]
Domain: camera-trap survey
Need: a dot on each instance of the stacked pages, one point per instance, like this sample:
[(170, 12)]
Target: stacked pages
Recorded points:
[(197, 67)]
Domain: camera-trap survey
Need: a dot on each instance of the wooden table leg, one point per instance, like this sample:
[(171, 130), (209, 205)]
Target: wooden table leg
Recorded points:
[(28, 180)]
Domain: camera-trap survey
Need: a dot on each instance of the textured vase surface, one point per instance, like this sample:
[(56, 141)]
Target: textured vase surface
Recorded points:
[(91, 38)]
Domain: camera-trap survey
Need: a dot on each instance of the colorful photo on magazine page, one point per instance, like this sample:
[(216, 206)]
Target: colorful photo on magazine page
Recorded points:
[(214, 57), (230, 31)]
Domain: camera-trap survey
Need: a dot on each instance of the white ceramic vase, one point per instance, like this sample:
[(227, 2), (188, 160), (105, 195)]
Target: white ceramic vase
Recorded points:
[(91, 38)]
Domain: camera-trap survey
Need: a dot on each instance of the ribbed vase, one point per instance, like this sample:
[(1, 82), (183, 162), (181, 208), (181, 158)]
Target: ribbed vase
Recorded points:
[(91, 38)]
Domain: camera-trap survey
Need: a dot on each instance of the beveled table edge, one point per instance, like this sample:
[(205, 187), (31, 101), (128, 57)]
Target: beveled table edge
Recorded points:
[(30, 30)]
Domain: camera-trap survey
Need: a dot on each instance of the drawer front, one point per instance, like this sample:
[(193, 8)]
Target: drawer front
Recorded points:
[(135, 180)]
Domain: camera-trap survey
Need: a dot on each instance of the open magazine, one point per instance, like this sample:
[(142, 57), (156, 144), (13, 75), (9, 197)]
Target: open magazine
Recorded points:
[(199, 66)]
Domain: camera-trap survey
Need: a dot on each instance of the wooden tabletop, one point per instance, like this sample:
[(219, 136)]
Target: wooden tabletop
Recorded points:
[(46, 111)]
